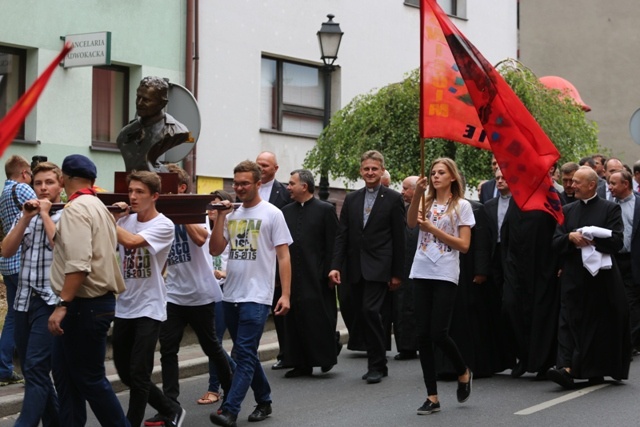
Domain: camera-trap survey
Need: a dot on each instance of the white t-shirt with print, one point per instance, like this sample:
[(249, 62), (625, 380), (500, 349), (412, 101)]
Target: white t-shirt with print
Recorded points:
[(190, 280), (146, 293), (253, 235), (434, 259)]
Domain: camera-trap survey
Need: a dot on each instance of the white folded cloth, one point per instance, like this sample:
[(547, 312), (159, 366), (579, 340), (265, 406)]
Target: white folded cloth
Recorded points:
[(593, 260)]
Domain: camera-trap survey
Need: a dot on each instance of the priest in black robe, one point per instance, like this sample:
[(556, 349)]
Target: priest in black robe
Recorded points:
[(530, 298), (594, 339), (310, 325)]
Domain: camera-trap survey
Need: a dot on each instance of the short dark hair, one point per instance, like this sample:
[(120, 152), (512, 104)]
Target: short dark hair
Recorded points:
[(636, 166), (249, 166), (306, 177), (602, 157), (626, 176), (148, 178), (569, 167), (373, 155), (587, 161)]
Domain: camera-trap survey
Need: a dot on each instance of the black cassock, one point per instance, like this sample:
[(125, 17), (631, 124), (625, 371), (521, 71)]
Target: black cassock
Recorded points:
[(310, 325), (530, 292), (593, 335)]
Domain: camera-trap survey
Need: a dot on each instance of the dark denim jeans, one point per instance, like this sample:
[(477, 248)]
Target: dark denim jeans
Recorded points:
[(134, 344), (34, 342), (7, 343), (220, 327), (78, 364), (201, 320), (246, 323)]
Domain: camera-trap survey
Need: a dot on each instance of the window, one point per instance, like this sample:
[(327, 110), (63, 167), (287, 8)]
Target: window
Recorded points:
[(457, 8), (12, 80), (110, 104), (292, 97)]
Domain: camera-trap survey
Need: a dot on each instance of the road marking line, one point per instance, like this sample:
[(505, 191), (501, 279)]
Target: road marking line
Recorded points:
[(562, 399)]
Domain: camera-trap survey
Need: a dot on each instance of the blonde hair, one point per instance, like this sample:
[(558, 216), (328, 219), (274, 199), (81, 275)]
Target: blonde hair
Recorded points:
[(457, 190)]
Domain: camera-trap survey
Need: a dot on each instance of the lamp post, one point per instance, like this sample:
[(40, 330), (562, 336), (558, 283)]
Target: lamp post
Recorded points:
[(329, 38)]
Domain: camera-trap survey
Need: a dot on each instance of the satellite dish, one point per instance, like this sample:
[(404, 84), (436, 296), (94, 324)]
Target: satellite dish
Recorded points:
[(634, 126), (184, 107)]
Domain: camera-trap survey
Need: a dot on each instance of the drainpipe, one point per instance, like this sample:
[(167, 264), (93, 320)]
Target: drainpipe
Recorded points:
[(191, 73)]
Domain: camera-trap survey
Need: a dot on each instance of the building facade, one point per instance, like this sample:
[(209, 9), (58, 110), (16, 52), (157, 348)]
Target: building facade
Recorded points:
[(260, 84), (593, 45), (82, 109)]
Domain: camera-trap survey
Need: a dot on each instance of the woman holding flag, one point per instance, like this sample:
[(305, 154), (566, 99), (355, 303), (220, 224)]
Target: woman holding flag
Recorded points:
[(445, 231)]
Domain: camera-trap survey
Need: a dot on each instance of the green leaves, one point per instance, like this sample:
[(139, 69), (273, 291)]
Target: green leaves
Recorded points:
[(387, 120)]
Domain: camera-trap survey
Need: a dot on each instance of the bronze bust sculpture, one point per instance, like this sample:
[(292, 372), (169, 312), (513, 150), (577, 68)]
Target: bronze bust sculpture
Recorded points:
[(153, 132)]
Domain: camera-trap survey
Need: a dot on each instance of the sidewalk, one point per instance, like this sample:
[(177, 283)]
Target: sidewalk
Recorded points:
[(191, 359)]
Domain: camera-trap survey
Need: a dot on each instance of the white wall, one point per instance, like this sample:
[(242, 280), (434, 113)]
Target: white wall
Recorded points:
[(380, 44)]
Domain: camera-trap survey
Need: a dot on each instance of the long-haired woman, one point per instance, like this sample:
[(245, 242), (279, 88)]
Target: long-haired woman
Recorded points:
[(444, 233)]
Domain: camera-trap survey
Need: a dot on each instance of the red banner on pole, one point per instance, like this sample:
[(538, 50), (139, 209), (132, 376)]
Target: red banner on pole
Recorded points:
[(463, 98), (11, 123)]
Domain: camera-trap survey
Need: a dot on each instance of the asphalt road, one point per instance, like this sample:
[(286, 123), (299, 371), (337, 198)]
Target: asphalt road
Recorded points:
[(341, 398)]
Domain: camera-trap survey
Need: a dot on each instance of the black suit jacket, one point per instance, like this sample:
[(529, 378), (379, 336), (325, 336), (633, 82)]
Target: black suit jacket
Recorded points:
[(374, 252), (486, 190), (279, 195), (491, 215), (635, 242), (601, 190)]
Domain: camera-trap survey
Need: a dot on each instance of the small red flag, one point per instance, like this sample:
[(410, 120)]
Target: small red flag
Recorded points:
[(463, 98), (11, 123)]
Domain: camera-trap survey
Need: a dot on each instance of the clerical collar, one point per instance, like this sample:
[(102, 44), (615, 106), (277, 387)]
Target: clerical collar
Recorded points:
[(585, 201), (506, 196), (374, 189)]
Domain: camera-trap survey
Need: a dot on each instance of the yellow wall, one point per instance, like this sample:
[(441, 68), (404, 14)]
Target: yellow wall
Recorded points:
[(207, 184)]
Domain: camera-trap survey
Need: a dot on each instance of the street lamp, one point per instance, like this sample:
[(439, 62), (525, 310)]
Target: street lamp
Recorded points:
[(329, 38)]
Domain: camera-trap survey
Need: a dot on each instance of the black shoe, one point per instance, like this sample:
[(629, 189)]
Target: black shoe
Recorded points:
[(224, 419), (374, 377), (518, 370), (327, 368), (280, 365), (561, 377), (366, 374), (405, 355), (464, 389), (596, 380), (177, 419), (262, 411), (299, 372), (428, 408)]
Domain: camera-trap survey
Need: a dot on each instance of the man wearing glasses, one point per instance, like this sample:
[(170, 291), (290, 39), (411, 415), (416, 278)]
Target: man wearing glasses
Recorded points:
[(257, 235), (15, 193)]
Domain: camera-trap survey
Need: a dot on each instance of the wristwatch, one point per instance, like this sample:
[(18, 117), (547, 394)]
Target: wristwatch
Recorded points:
[(62, 303)]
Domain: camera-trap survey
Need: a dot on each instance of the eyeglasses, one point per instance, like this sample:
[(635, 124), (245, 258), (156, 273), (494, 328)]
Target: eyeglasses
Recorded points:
[(242, 184)]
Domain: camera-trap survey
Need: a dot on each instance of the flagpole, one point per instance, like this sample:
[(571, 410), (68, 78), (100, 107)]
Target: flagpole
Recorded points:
[(423, 197)]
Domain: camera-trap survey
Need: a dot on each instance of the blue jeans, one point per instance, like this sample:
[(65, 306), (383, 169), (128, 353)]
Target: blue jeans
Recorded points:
[(7, 343), (246, 322), (78, 364), (220, 327), (34, 342)]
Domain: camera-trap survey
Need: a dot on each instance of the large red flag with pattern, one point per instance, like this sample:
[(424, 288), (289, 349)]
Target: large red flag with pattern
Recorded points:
[(463, 98), (11, 123)]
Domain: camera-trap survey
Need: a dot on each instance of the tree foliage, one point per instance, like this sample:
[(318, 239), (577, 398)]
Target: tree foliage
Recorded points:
[(387, 120)]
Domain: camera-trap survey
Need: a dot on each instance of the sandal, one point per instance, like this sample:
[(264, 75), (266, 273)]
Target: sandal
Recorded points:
[(208, 398)]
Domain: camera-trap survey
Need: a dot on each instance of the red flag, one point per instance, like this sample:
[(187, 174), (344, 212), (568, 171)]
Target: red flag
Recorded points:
[(463, 98), (11, 123)]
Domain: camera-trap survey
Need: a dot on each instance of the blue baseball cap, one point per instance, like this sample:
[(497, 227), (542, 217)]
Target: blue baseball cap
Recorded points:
[(80, 166)]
